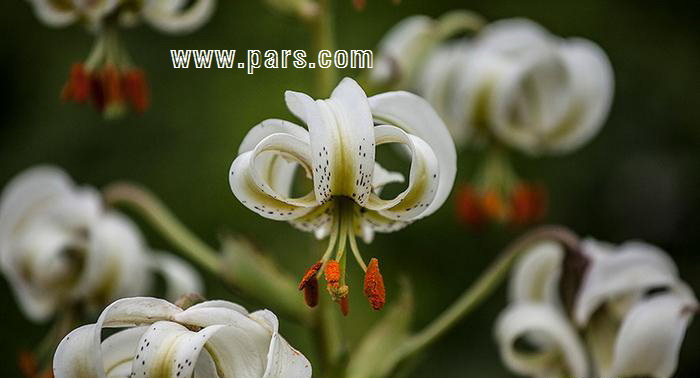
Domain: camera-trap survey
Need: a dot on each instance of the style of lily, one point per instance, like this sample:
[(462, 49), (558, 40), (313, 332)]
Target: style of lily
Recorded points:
[(207, 340), (338, 155), (628, 317), (60, 250), (108, 78)]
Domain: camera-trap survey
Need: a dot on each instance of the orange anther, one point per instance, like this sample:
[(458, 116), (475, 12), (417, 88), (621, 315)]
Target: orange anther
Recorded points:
[(311, 273), (332, 273), (469, 208), (311, 292), (374, 285)]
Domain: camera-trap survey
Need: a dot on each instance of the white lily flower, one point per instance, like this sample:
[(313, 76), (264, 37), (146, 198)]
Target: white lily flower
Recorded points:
[(514, 80), (214, 339), (337, 153), (633, 291), (58, 246), (631, 308), (534, 333), (172, 16)]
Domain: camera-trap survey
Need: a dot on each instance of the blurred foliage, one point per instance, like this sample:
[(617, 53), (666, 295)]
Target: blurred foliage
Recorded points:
[(639, 178)]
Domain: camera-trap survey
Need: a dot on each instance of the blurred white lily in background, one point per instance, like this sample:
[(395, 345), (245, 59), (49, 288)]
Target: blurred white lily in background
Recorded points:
[(514, 81), (628, 318), (108, 78), (337, 153), (172, 16), (59, 247), (208, 340)]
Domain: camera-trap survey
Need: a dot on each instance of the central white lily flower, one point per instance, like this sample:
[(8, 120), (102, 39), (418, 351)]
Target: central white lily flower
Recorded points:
[(337, 153), (214, 339)]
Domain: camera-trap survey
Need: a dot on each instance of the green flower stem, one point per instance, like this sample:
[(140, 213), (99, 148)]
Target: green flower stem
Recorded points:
[(475, 294), (240, 266), (323, 38), (158, 215)]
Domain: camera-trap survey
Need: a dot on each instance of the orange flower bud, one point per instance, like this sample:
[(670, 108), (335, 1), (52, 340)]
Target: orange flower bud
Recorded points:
[(374, 285)]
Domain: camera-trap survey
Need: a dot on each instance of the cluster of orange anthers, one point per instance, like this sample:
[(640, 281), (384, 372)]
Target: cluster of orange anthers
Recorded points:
[(523, 204), (373, 285), (108, 88)]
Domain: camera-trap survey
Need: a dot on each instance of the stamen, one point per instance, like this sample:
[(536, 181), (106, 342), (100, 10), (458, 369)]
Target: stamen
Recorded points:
[(331, 243), (332, 273), (374, 285), (311, 292), (309, 284), (310, 274), (356, 252)]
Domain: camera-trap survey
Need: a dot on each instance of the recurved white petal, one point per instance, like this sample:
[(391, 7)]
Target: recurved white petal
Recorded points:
[(415, 116), (536, 276), (555, 347), (633, 268), (282, 360), (52, 14), (252, 187), (180, 277), (592, 85), (116, 264), (651, 335), (423, 179), (401, 49), (177, 19)]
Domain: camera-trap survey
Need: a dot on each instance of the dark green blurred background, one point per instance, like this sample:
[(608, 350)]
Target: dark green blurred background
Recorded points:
[(639, 178)]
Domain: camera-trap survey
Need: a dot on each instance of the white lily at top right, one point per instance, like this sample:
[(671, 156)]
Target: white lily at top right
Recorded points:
[(514, 81)]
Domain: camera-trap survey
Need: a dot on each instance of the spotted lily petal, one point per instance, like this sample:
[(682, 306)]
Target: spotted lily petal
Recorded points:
[(416, 117), (217, 339), (342, 140)]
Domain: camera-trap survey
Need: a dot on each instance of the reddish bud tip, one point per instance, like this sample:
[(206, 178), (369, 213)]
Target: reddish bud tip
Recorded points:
[(77, 88), (136, 90), (310, 274), (27, 364), (359, 4), (469, 207), (344, 305), (374, 285), (528, 203)]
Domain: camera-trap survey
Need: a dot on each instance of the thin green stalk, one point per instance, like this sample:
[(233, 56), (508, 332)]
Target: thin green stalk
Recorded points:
[(476, 294), (157, 214), (323, 38)]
